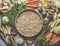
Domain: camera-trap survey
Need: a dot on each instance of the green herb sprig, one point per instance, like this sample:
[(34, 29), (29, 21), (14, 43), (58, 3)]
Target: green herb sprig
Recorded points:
[(13, 13)]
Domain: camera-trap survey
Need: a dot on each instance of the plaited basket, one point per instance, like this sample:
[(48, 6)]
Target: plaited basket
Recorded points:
[(29, 22)]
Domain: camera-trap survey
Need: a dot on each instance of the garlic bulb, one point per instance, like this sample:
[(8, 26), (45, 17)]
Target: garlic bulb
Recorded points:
[(20, 41)]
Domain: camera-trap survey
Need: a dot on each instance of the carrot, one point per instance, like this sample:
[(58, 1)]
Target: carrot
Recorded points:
[(54, 40), (32, 1), (59, 37), (32, 6), (48, 36)]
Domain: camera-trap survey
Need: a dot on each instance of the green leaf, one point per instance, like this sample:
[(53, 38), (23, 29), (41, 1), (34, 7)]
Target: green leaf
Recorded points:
[(13, 13)]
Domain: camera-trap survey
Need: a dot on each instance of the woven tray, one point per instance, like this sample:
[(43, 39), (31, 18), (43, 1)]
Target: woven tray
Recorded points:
[(29, 23)]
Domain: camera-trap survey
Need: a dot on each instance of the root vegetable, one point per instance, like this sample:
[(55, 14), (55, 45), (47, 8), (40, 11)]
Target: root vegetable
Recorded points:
[(33, 6), (54, 40), (32, 3), (48, 36)]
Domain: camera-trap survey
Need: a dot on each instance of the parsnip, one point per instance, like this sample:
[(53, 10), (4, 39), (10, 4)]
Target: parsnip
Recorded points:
[(55, 16)]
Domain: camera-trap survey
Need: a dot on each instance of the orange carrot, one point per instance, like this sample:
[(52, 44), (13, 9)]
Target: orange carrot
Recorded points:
[(32, 6), (54, 40), (32, 1), (59, 37), (48, 36)]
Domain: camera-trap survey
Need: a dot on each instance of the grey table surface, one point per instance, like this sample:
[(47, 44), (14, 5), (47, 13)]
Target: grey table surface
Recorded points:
[(2, 43)]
